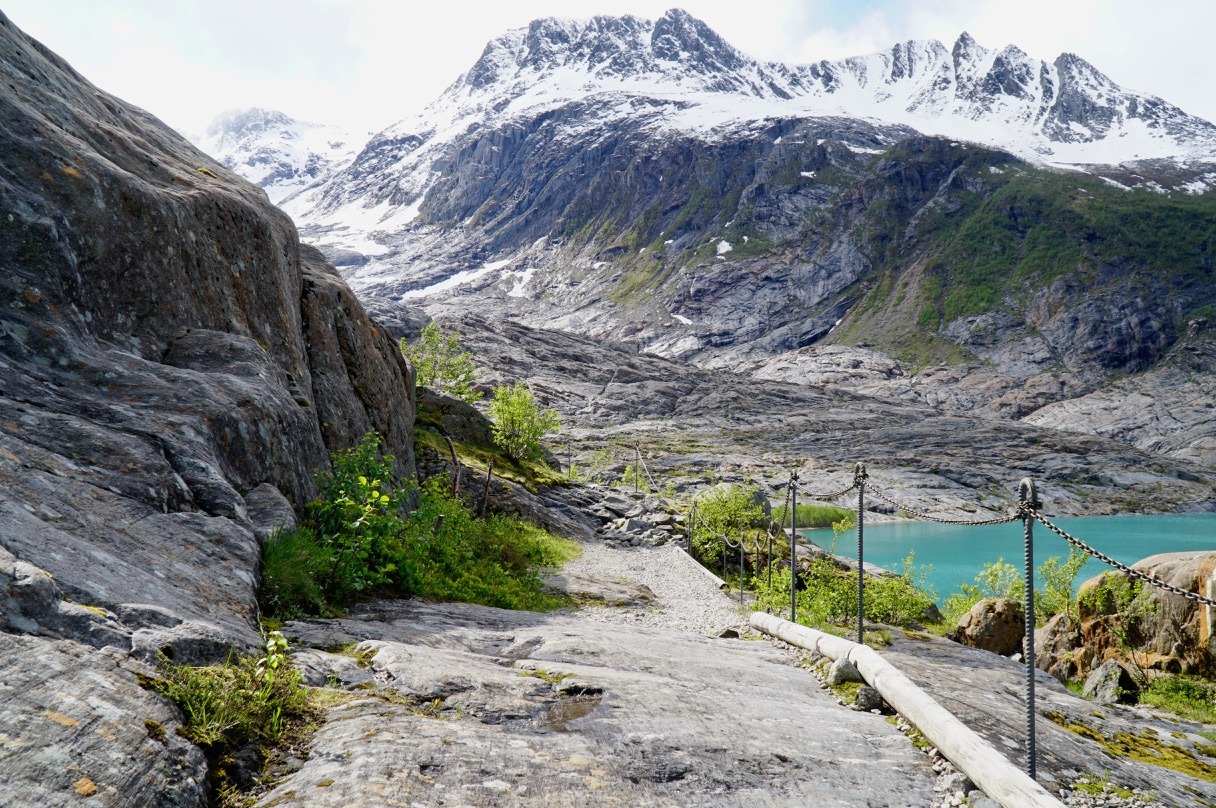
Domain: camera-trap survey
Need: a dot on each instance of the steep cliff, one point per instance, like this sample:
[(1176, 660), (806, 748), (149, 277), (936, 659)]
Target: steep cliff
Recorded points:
[(174, 369)]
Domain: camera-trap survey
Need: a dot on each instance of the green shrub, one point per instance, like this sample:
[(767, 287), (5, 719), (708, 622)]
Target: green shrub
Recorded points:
[(1003, 580), (998, 579), (730, 511), (1058, 576), (828, 597), (519, 425), (366, 536), (441, 364)]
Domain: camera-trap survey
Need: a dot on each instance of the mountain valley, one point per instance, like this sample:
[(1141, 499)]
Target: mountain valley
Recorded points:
[(963, 229)]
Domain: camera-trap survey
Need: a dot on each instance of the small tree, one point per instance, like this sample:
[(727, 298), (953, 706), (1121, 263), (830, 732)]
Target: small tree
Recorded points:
[(441, 364), (519, 425)]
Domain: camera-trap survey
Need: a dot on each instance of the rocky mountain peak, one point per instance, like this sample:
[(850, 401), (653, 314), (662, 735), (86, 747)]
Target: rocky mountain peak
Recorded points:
[(680, 37), (606, 47), (276, 151), (234, 124)]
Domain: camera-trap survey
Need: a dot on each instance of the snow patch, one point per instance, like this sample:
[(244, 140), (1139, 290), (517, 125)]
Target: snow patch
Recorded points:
[(724, 247), (521, 280), (681, 318), (458, 279)]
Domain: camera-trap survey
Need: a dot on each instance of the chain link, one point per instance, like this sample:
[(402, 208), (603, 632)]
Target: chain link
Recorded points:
[(1002, 520), (834, 495), (1137, 574)]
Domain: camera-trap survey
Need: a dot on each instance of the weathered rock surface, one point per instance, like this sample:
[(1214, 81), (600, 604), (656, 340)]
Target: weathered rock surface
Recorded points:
[(167, 348), (1170, 411), (76, 728), (560, 710), (1130, 747), (993, 624), (1171, 633), (174, 369), (695, 423)]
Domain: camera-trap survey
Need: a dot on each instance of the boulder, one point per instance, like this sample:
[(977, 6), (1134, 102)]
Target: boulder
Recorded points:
[(1171, 633), (869, 699), (268, 510), (454, 417), (993, 624), (1111, 683), (841, 671)]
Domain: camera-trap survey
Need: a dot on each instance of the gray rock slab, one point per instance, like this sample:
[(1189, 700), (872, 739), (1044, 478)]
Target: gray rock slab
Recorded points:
[(987, 692), (549, 709), (77, 729), (585, 588)]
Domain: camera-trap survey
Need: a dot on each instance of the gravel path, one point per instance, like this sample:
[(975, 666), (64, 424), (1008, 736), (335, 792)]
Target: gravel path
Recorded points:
[(686, 597)]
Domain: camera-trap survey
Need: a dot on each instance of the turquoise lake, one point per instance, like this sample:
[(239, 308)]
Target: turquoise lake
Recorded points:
[(958, 553)]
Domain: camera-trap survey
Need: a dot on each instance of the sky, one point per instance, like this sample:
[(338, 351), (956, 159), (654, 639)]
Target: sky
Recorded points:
[(364, 64)]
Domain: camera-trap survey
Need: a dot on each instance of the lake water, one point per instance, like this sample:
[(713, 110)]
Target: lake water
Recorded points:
[(958, 553)]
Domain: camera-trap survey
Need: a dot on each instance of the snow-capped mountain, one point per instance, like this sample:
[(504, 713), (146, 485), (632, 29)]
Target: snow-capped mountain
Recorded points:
[(675, 75), (278, 152)]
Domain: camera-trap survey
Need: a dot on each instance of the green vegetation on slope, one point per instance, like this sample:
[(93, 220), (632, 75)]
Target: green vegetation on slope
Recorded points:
[(1038, 226), (367, 536)]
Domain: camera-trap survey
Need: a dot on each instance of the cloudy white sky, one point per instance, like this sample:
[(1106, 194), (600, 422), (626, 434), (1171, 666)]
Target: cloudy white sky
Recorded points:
[(363, 64)]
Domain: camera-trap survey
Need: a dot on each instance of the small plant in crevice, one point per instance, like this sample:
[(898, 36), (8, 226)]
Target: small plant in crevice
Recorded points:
[(254, 700)]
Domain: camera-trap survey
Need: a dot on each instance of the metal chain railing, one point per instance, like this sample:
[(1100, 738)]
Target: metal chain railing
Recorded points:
[(833, 495), (1001, 520), (1026, 511), (1156, 583)]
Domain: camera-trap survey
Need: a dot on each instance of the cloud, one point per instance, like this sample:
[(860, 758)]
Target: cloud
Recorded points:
[(363, 64)]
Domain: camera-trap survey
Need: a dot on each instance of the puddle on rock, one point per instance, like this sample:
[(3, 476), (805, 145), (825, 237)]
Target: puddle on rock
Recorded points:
[(558, 717)]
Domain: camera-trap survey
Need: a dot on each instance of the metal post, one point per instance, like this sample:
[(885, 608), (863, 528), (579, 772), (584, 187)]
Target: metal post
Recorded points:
[(742, 539), (859, 475), (692, 523), (793, 547), (1029, 499), (769, 556), (637, 465)]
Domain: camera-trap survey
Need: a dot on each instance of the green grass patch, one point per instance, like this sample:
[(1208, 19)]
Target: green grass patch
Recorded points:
[(1185, 696), (528, 473), (254, 699)]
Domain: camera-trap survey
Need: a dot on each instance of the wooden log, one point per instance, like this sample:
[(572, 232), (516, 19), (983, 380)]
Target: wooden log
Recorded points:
[(991, 771)]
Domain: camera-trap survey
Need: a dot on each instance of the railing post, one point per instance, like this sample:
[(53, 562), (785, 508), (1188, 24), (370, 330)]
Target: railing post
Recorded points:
[(692, 525), (1028, 499), (637, 465), (769, 557), (859, 476), (742, 541), (794, 547)]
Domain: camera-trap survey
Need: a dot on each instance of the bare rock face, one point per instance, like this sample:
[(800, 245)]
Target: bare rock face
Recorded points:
[(79, 730), (993, 624), (1169, 632), (174, 370)]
